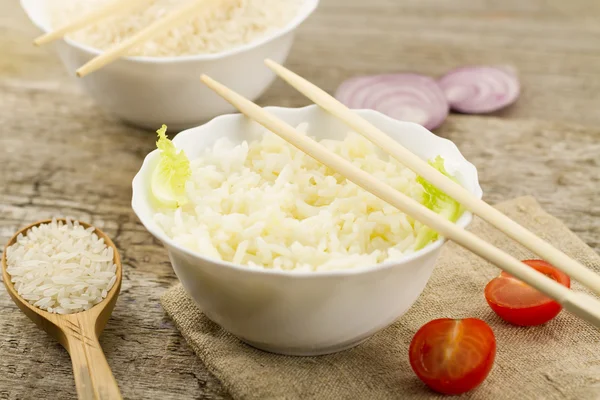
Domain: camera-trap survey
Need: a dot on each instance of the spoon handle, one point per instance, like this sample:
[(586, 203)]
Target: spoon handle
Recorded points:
[(93, 378)]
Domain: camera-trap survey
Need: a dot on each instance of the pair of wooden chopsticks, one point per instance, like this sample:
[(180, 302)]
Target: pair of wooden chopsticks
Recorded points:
[(580, 304), (168, 21)]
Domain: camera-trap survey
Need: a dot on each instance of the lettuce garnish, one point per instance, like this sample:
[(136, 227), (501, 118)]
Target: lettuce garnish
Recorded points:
[(171, 173), (437, 201)]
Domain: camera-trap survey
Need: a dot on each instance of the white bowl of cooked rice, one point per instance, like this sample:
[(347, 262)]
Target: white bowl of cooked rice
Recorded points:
[(159, 82), (285, 254)]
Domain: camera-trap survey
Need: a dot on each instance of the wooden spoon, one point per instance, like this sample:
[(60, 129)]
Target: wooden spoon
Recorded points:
[(78, 332)]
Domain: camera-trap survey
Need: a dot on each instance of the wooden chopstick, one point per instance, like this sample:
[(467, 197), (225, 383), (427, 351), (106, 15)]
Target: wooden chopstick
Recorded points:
[(578, 303), (168, 21), (496, 218), (114, 7)]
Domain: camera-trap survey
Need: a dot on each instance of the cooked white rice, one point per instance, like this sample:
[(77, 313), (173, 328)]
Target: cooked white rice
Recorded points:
[(222, 26), (266, 204), (61, 268)]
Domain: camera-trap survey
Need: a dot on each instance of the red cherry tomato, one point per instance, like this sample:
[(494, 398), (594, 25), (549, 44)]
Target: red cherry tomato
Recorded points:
[(453, 356), (520, 304)]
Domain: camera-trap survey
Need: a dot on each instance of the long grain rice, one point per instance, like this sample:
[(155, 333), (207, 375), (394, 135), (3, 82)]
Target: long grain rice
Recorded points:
[(222, 26), (265, 204), (61, 268)]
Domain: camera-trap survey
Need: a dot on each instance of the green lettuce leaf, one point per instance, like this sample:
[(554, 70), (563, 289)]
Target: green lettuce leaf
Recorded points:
[(437, 201), (171, 173)]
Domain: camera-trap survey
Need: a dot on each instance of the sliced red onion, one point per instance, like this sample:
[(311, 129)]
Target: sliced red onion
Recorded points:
[(480, 89), (406, 97)]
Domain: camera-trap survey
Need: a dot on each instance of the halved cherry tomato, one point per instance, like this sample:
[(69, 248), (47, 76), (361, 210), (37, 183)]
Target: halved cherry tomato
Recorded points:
[(520, 304), (453, 356)]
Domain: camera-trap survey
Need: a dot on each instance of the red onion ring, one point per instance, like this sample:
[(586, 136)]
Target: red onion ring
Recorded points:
[(406, 97), (480, 89)]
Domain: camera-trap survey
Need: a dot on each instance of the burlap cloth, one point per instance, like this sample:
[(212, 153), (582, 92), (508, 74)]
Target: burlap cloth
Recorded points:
[(557, 361)]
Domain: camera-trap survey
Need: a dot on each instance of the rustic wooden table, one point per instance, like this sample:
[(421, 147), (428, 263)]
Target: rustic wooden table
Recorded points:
[(61, 156)]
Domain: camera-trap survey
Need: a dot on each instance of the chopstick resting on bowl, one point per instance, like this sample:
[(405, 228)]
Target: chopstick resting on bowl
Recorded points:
[(170, 20), (580, 304), (112, 8), (479, 207)]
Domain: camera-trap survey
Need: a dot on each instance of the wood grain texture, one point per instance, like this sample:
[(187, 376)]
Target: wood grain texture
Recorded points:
[(61, 156)]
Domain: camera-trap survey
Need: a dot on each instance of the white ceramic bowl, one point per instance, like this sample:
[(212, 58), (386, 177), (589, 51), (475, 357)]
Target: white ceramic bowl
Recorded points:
[(306, 313), (150, 91)]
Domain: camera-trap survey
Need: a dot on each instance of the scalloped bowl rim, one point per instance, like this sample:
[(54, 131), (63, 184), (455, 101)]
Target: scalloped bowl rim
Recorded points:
[(158, 233), (306, 9)]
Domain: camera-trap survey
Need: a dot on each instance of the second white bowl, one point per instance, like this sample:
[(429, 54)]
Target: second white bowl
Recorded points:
[(303, 313), (149, 91)]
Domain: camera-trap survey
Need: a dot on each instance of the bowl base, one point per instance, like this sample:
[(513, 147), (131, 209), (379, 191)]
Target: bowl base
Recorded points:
[(287, 351), (173, 128)]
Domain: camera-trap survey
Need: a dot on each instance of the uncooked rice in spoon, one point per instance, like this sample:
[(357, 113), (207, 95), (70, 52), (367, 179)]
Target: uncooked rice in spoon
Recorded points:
[(61, 268)]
